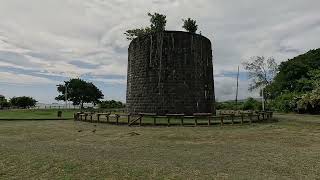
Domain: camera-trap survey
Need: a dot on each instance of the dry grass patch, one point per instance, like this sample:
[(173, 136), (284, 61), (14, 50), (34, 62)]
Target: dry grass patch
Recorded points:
[(288, 149)]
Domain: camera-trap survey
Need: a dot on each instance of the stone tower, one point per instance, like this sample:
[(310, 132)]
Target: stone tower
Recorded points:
[(170, 72)]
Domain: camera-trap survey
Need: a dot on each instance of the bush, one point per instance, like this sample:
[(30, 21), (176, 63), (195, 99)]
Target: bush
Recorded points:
[(251, 104), (286, 102), (310, 102), (111, 104)]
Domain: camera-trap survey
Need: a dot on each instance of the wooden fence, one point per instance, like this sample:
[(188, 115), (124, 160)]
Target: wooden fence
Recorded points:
[(154, 119)]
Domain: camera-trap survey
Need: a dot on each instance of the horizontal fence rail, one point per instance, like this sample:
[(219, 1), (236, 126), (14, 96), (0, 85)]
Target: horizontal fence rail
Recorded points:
[(180, 119)]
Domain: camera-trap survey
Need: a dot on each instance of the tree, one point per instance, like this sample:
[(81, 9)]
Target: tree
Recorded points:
[(23, 102), (190, 25), (158, 24), (79, 92), (3, 102), (261, 72), (295, 74), (295, 87)]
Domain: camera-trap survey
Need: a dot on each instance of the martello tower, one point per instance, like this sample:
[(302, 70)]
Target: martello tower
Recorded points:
[(170, 72)]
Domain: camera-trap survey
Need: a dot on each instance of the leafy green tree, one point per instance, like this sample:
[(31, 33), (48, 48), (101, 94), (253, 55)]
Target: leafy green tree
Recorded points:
[(158, 24), (2, 98), (3, 102), (23, 102), (79, 92), (190, 25), (295, 74)]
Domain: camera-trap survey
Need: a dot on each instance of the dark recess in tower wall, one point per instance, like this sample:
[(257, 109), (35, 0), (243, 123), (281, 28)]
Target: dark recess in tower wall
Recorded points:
[(170, 72)]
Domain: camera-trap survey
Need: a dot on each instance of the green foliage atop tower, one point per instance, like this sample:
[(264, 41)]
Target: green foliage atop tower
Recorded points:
[(190, 25), (158, 24)]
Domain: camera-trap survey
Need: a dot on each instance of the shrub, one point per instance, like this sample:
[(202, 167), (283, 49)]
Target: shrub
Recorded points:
[(251, 104), (286, 102), (310, 102), (111, 104)]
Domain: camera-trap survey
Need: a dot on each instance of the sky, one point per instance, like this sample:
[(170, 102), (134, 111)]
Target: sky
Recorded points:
[(45, 42)]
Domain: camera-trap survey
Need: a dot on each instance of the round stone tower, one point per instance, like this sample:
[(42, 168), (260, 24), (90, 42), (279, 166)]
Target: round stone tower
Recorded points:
[(170, 72)]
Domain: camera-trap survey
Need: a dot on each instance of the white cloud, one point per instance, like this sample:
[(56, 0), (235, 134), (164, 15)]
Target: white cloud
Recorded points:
[(47, 35), (13, 78), (225, 89)]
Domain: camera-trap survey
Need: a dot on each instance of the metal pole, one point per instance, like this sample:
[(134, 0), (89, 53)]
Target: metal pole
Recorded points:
[(237, 89)]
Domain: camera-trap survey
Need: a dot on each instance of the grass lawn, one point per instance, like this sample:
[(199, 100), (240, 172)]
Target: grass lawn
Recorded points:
[(35, 113), (288, 149)]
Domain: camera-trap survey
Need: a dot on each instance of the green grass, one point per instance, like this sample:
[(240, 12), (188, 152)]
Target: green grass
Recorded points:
[(35, 113), (288, 149)]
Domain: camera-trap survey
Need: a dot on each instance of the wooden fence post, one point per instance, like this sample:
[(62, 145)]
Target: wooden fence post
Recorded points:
[(222, 120), (182, 121), (129, 118), (117, 119), (232, 119), (242, 118)]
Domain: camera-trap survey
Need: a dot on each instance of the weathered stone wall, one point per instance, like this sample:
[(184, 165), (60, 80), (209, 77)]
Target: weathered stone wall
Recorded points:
[(170, 72)]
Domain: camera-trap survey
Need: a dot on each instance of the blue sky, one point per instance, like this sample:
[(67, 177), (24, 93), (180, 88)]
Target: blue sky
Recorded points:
[(44, 42)]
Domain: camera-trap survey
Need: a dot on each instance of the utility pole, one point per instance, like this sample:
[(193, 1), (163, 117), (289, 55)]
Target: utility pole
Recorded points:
[(237, 89), (262, 93), (66, 95)]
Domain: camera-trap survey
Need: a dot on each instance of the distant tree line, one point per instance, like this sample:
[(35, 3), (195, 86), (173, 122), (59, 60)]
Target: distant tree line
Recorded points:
[(17, 102), (248, 104), (75, 90)]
